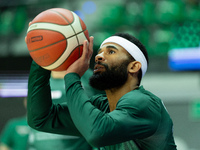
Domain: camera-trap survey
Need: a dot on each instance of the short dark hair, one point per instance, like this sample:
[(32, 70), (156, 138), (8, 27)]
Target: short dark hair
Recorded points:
[(139, 45)]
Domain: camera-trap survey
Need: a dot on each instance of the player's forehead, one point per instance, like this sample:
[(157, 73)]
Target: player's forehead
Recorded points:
[(111, 45)]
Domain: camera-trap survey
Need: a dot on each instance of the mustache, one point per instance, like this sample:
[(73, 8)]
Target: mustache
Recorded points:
[(102, 64)]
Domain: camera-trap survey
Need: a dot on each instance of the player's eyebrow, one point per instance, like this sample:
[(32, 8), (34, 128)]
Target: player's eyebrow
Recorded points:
[(109, 46), (112, 46)]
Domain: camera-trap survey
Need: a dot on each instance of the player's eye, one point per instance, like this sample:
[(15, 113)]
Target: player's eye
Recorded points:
[(111, 52)]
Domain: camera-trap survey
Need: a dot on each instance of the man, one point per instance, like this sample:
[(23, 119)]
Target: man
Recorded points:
[(127, 118), (15, 133)]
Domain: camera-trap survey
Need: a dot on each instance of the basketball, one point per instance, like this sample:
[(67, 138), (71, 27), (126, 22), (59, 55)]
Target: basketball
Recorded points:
[(55, 38)]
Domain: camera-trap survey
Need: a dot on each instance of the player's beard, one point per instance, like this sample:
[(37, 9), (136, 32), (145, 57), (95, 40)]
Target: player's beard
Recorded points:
[(113, 77)]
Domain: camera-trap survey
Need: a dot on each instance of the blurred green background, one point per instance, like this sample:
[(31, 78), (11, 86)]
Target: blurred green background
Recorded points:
[(161, 25)]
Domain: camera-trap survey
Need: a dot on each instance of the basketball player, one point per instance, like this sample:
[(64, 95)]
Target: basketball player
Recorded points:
[(127, 117)]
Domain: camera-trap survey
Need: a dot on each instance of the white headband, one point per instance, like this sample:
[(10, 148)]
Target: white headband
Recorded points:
[(132, 49)]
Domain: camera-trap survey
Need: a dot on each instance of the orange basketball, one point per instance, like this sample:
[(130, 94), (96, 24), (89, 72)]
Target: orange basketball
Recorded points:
[(55, 38)]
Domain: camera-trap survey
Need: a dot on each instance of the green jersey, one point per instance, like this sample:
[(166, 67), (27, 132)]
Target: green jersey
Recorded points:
[(15, 134), (49, 141), (140, 120), (40, 140)]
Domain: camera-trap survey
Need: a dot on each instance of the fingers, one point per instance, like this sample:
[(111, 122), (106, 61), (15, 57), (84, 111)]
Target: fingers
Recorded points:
[(91, 46), (82, 64), (88, 49), (85, 49)]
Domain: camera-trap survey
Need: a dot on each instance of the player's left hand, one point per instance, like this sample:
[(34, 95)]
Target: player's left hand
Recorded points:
[(81, 65)]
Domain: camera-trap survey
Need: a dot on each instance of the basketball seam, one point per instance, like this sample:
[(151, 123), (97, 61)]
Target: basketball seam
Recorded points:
[(55, 42), (63, 17), (46, 46), (43, 28), (65, 59), (75, 34), (72, 27), (55, 30)]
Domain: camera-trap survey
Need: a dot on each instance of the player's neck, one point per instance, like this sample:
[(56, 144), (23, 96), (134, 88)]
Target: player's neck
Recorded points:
[(115, 94)]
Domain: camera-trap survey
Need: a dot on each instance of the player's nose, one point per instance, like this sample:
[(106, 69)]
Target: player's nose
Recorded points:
[(99, 57)]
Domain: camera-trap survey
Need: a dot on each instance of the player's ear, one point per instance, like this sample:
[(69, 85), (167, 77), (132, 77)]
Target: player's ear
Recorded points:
[(134, 67)]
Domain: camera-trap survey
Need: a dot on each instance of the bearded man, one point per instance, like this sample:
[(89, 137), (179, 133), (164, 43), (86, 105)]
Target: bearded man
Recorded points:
[(127, 117)]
